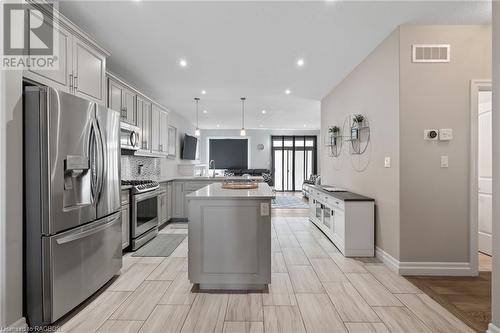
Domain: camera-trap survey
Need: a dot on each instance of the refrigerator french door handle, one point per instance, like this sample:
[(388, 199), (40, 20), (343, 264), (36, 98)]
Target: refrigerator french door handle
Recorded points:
[(100, 160), (93, 166)]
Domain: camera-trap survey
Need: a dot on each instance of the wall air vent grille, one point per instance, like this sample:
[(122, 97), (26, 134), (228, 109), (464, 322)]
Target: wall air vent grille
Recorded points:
[(431, 52)]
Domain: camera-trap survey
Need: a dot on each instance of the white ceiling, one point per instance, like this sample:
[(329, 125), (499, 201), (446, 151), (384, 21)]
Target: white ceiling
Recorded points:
[(236, 48)]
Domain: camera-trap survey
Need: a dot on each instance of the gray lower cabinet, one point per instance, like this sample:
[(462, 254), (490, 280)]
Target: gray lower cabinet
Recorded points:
[(125, 226), (125, 214), (169, 200), (163, 205)]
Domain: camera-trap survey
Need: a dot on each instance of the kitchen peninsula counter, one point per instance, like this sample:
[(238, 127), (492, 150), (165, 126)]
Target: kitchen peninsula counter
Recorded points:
[(230, 237)]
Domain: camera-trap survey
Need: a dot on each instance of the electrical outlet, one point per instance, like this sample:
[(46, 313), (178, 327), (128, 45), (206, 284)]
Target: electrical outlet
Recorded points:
[(387, 162), (264, 209), (444, 161)]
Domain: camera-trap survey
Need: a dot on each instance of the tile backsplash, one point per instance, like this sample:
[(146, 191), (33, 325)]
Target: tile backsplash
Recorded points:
[(151, 169)]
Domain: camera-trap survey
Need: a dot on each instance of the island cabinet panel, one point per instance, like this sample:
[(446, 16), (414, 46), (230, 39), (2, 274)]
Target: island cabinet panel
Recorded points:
[(178, 200), (230, 237), (229, 244)]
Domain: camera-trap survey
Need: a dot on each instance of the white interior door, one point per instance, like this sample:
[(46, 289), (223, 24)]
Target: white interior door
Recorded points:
[(484, 172)]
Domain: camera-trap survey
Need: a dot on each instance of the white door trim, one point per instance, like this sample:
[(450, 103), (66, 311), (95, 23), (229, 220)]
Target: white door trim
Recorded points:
[(475, 87)]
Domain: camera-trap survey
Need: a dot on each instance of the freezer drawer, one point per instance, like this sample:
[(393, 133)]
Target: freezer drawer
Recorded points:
[(81, 261)]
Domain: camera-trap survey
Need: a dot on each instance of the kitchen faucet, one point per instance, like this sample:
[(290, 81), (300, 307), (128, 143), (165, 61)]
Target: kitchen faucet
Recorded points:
[(211, 165)]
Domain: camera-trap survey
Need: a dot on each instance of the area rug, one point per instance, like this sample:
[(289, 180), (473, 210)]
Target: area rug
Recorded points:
[(283, 202), (161, 246)]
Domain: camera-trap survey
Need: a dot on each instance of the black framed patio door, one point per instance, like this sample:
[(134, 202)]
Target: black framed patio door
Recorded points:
[(294, 160)]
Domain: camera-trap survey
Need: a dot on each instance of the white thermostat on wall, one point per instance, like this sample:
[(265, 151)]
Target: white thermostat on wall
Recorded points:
[(445, 134), (431, 134)]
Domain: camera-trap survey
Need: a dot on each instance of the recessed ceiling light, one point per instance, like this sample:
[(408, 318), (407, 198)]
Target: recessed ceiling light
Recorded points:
[(205, 111), (305, 125), (203, 92), (288, 92), (218, 125), (264, 111), (183, 63), (300, 62)]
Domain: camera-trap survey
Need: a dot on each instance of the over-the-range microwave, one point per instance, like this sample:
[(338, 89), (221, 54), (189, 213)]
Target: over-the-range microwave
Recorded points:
[(129, 136)]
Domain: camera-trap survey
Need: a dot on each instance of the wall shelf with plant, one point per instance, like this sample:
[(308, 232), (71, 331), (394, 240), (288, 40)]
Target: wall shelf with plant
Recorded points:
[(334, 140)]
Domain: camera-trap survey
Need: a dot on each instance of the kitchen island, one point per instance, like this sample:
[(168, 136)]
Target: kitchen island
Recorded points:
[(230, 237)]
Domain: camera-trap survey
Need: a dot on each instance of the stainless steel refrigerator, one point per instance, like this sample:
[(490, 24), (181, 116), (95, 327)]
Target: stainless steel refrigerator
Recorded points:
[(72, 224)]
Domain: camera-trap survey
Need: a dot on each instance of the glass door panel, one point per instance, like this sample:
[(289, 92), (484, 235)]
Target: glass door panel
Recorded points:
[(294, 160)]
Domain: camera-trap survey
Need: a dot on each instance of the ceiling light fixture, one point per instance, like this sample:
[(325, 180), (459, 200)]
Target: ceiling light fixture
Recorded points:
[(243, 132), (300, 62), (205, 111), (183, 63), (218, 125), (203, 92), (264, 111), (288, 92), (197, 130)]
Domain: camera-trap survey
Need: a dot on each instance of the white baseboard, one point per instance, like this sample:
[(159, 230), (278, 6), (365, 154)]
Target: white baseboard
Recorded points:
[(436, 268), (493, 329), (391, 262), (18, 326), (425, 268)]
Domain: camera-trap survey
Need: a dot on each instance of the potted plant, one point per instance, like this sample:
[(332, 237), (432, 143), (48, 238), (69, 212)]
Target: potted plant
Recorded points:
[(334, 132), (358, 120)]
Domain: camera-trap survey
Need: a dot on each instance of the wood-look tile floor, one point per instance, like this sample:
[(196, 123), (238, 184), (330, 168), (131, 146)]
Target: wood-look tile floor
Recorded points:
[(313, 289)]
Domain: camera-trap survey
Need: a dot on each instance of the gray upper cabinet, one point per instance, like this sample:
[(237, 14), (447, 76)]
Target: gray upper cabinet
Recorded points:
[(80, 64), (144, 123), (123, 100), (58, 78), (159, 131), (128, 106), (155, 129), (164, 133), (89, 71), (141, 111)]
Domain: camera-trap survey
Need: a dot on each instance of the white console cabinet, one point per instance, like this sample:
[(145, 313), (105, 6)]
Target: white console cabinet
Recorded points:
[(347, 219)]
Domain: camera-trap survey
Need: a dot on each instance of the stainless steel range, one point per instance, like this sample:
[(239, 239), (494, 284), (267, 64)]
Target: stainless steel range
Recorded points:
[(144, 217)]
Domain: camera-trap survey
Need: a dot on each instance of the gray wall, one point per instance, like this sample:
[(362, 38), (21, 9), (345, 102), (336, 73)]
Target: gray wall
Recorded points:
[(435, 201), (496, 167), (372, 88), (259, 159)]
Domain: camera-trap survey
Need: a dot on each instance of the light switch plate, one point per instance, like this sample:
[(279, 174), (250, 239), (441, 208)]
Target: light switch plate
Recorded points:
[(264, 209), (445, 134), (387, 162), (444, 161)]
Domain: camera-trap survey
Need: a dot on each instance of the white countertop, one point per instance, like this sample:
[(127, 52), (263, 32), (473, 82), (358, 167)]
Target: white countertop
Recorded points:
[(215, 191), (208, 178)]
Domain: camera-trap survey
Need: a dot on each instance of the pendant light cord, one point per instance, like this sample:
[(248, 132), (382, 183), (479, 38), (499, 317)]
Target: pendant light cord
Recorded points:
[(197, 100), (243, 112)]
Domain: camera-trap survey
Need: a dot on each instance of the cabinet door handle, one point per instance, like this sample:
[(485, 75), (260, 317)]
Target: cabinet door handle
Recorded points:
[(75, 85), (71, 82), (160, 147)]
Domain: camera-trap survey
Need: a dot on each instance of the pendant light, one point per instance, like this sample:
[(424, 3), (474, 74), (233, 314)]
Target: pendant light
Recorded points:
[(243, 132), (197, 130)]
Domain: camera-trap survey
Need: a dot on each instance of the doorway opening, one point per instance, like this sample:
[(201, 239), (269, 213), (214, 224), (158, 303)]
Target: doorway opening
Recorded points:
[(481, 176), (293, 161)]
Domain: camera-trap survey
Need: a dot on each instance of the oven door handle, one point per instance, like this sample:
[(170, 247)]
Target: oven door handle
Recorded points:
[(147, 195)]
